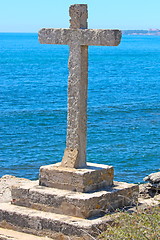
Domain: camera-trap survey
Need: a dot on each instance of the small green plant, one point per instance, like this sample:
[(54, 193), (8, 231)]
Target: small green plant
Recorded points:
[(142, 225)]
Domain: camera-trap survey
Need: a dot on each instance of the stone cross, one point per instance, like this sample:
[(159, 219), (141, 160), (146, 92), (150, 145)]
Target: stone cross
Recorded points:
[(78, 37)]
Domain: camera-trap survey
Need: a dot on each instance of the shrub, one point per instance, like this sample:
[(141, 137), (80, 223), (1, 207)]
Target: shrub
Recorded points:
[(142, 225)]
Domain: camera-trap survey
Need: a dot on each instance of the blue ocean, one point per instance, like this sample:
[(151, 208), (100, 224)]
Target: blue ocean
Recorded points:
[(123, 105)]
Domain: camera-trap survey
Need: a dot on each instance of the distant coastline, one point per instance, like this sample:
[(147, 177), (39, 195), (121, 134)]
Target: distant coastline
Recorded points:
[(153, 32)]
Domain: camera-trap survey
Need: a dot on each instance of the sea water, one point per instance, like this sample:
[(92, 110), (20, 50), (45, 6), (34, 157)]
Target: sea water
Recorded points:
[(123, 105)]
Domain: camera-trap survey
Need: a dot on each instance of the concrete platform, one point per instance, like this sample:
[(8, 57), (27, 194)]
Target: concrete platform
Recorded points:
[(91, 178), (53, 225), (77, 204)]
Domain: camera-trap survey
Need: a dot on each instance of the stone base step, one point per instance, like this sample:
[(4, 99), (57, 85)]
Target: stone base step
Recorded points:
[(7, 234), (90, 178), (77, 204), (53, 225)]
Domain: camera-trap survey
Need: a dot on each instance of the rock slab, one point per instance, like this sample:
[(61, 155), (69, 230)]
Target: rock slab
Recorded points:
[(153, 186)]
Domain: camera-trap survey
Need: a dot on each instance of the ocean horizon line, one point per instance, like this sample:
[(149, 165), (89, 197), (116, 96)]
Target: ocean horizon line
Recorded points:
[(135, 32)]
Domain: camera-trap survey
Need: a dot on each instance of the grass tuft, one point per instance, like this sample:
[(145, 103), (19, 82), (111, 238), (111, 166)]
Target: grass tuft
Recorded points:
[(142, 225)]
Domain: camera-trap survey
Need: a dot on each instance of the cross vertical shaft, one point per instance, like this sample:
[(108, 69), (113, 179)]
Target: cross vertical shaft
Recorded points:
[(75, 152)]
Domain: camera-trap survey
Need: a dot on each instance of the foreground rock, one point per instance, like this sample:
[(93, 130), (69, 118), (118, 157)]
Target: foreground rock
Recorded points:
[(6, 184), (153, 187), (154, 178)]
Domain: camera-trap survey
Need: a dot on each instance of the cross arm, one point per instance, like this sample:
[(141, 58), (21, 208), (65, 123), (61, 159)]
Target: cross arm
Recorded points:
[(94, 37)]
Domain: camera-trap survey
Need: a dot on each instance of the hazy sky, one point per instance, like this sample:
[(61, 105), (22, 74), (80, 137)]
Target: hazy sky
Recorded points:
[(31, 15)]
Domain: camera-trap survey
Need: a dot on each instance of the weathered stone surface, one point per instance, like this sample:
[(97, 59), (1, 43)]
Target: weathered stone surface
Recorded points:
[(87, 37), (148, 203), (153, 186), (84, 205), (79, 15), (71, 159), (90, 178), (6, 183), (153, 177), (48, 224), (77, 107), (75, 152)]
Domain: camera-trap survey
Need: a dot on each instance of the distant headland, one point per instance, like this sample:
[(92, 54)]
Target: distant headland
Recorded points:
[(155, 32)]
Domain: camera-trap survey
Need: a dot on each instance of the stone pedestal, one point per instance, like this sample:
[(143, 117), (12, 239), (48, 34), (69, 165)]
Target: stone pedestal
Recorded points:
[(62, 214), (90, 178), (67, 203)]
